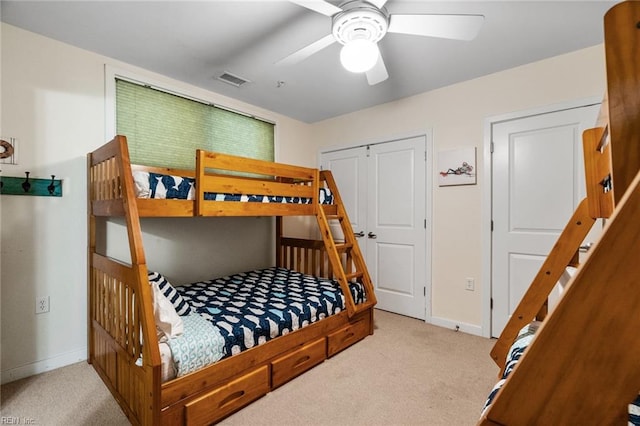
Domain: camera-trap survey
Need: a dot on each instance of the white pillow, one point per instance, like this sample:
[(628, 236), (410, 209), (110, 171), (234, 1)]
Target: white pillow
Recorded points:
[(141, 181), (168, 322)]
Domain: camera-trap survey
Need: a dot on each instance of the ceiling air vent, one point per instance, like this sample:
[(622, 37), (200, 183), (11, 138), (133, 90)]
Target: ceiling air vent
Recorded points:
[(232, 79)]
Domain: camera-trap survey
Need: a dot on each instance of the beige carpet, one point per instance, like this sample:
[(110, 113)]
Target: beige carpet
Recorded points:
[(407, 373)]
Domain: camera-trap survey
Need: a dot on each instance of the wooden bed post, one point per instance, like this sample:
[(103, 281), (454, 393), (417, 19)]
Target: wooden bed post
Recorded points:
[(91, 248), (622, 47), (119, 291), (151, 353)]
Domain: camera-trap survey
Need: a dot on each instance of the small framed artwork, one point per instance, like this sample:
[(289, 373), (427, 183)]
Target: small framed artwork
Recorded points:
[(8, 151), (457, 167)]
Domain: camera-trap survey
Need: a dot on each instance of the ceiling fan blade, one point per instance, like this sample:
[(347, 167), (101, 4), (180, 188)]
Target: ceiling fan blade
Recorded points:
[(378, 73), (307, 51), (458, 27), (319, 6)]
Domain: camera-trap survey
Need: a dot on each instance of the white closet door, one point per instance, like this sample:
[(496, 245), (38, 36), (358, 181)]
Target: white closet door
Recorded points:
[(383, 188), (396, 231), (349, 169)]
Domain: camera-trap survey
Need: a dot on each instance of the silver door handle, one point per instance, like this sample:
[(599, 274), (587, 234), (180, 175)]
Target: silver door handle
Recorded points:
[(372, 235), (358, 234), (585, 248)]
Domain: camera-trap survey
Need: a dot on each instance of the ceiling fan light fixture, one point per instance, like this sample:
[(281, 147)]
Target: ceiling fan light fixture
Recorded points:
[(359, 55)]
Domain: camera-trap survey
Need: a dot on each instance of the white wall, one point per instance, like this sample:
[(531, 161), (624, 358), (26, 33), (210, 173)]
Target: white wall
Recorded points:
[(53, 101), (457, 115)]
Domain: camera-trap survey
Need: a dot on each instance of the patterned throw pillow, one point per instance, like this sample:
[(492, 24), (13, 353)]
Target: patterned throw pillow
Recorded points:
[(171, 187), (181, 305)]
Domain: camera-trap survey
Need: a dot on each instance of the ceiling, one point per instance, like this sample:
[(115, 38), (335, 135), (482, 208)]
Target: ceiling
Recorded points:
[(196, 41)]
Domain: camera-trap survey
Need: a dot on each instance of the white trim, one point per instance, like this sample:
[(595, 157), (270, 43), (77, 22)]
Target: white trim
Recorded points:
[(457, 326), (375, 141), (43, 366), (430, 167), (109, 102), (428, 189), (486, 228), (487, 188)]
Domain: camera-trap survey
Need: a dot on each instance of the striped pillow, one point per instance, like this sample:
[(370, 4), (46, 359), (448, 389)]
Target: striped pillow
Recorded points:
[(181, 305)]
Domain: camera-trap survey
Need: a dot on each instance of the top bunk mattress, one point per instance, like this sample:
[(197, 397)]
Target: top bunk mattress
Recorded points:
[(161, 186)]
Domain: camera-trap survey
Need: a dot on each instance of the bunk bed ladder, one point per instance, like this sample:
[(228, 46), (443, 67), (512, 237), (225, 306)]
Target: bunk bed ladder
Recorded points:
[(353, 267)]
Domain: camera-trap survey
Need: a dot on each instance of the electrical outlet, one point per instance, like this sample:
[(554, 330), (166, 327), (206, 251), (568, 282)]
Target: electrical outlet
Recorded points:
[(42, 305), (471, 284)]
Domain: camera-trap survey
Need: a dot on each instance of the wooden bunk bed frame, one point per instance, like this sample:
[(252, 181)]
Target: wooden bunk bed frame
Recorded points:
[(121, 314), (582, 366)]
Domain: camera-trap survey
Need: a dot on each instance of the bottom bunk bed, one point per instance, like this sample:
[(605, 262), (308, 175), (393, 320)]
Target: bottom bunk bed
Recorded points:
[(238, 338), (255, 330), (216, 319)]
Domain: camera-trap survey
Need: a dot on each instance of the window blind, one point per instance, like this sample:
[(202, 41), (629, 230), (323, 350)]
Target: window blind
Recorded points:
[(165, 130)]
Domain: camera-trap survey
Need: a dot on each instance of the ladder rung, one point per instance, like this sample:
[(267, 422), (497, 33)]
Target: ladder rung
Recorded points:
[(344, 247), (331, 213), (356, 274)]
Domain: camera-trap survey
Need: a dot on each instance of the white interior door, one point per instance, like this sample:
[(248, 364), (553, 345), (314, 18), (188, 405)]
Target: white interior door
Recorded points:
[(538, 181), (383, 188), (349, 169), (396, 230)]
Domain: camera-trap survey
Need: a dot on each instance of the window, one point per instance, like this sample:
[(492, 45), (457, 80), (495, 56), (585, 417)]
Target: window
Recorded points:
[(164, 129)]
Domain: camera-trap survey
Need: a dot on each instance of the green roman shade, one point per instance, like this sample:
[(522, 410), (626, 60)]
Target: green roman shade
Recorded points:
[(165, 130)]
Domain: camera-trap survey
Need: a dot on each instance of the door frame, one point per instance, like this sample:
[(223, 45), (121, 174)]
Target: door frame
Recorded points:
[(428, 189), (487, 213)]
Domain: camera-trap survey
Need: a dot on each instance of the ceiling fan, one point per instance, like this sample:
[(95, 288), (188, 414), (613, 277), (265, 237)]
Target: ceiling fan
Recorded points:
[(359, 25)]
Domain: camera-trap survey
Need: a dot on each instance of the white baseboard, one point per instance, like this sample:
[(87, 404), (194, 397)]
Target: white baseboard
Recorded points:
[(38, 367), (457, 325)]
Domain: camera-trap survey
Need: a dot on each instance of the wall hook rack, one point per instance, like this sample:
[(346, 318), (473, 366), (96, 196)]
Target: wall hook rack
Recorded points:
[(29, 186)]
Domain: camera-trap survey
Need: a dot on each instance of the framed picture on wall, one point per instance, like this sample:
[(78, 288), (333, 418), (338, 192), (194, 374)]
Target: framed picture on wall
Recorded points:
[(457, 167)]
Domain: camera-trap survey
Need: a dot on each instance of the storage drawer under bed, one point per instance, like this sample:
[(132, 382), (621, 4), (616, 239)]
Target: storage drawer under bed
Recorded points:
[(297, 362), (226, 399), (347, 336)]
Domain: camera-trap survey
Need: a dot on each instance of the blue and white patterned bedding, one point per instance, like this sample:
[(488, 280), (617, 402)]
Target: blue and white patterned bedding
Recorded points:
[(634, 412), (254, 307), (522, 341), (201, 344), (160, 186)]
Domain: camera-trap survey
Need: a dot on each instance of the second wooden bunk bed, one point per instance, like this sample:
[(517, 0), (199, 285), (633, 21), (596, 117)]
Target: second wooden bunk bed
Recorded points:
[(583, 365), (121, 315)]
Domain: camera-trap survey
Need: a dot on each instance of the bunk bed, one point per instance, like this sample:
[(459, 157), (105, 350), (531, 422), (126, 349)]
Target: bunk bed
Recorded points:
[(578, 364), (127, 302)]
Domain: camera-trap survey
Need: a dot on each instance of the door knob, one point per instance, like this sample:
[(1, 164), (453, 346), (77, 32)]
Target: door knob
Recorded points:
[(358, 234), (372, 235), (585, 248)]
